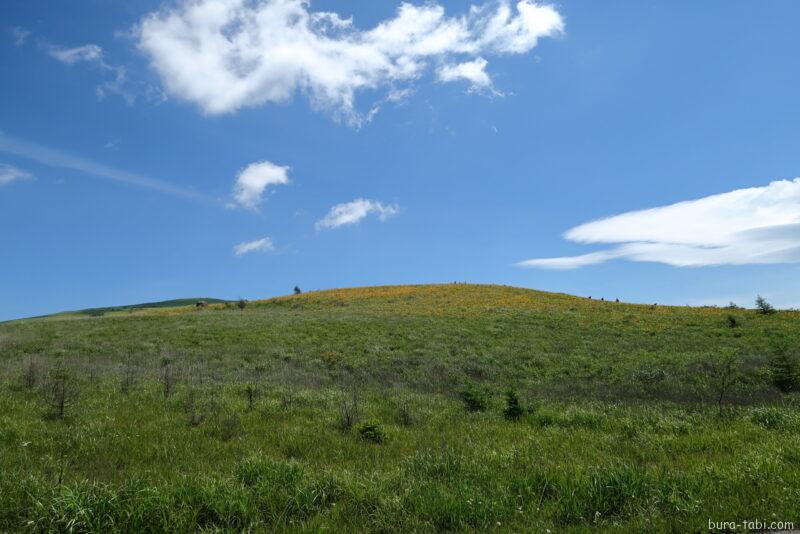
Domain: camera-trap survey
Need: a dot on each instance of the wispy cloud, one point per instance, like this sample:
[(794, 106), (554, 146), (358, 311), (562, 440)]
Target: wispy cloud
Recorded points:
[(116, 79), (259, 245), (758, 225), (20, 35), (90, 53), (63, 160), (9, 173), (252, 183), (354, 211), (224, 55)]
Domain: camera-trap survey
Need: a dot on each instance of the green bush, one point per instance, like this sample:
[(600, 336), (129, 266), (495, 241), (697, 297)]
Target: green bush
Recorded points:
[(784, 372), (475, 399), (772, 418), (372, 432), (513, 409)]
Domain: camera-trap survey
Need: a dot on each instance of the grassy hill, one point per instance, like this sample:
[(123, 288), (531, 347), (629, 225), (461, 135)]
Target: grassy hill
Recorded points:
[(386, 409)]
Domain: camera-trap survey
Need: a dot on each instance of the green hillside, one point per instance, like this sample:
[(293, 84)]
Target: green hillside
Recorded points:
[(392, 409), (174, 303)]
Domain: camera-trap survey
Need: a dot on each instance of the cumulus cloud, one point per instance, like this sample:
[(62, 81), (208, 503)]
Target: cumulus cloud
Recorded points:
[(471, 71), (758, 225), (224, 55), (9, 173), (252, 183), (89, 53), (259, 245), (352, 212)]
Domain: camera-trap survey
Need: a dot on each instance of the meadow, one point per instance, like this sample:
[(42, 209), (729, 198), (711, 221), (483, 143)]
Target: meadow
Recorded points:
[(400, 409)]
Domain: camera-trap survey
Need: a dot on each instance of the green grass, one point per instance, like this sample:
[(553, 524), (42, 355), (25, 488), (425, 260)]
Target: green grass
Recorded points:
[(622, 427)]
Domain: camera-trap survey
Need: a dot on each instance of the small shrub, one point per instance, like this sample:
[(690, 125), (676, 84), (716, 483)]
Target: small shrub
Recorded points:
[(229, 426), (513, 409), (771, 418), (784, 372), (297, 290), (31, 373), (732, 321), (331, 359), (763, 307), (60, 391), (195, 411), (168, 378), (128, 375), (242, 304), (649, 375), (475, 399), (372, 432), (195, 417), (349, 410), (404, 415), (250, 393)]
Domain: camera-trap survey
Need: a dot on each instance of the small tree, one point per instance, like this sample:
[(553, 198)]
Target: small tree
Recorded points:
[(763, 307), (513, 409), (724, 374), (297, 290), (60, 390), (242, 304)]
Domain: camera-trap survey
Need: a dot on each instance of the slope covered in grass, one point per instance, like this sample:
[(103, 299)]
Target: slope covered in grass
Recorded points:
[(179, 419), (434, 338)]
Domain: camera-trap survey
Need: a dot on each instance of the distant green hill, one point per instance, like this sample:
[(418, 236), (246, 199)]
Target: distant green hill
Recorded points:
[(175, 303)]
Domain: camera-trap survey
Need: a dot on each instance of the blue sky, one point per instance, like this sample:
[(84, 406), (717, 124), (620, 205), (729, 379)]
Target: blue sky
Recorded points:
[(422, 144)]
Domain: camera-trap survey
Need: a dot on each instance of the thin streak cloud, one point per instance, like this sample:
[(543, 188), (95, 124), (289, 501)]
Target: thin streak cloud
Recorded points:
[(64, 160)]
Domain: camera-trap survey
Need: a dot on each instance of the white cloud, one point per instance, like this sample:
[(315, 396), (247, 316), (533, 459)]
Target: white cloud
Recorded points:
[(63, 160), (471, 71), (224, 55), (20, 35), (89, 53), (116, 79), (252, 183), (10, 174), (352, 212), (259, 245), (758, 225)]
